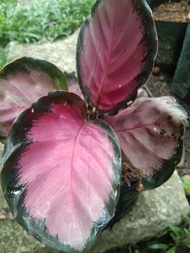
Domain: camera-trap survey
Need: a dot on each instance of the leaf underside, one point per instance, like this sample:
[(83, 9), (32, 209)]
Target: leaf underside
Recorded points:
[(61, 173), (115, 53), (151, 133), (22, 82)]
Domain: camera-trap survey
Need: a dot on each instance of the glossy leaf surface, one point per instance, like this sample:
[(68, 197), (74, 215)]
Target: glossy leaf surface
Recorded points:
[(150, 133), (61, 173), (115, 53), (21, 83)]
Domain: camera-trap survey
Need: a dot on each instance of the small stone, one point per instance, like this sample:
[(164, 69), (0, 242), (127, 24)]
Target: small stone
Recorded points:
[(156, 70), (162, 77), (142, 92)]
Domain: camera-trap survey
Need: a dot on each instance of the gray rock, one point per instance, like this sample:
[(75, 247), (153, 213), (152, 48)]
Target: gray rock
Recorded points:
[(13, 239), (62, 52), (153, 212)]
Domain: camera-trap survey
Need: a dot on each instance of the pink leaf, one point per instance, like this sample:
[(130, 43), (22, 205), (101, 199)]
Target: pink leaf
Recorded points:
[(150, 133), (21, 83), (61, 173), (115, 53), (73, 85)]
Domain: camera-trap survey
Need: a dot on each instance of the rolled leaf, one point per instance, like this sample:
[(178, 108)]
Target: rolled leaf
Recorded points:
[(150, 133), (22, 82), (61, 172), (115, 53)]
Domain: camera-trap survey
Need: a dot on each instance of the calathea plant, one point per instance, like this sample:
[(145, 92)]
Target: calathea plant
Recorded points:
[(66, 156)]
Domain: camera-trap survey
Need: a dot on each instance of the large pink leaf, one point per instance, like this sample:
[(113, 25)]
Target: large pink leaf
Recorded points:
[(21, 83), (61, 173), (150, 133), (115, 53)]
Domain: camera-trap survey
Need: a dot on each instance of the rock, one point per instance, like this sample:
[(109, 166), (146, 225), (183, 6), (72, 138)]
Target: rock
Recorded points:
[(61, 52), (152, 213), (13, 239), (181, 80)]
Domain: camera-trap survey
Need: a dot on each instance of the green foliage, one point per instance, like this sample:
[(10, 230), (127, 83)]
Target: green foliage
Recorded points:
[(135, 250), (180, 236), (158, 246), (2, 57), (175, 240), (31, 21), (186, 184)]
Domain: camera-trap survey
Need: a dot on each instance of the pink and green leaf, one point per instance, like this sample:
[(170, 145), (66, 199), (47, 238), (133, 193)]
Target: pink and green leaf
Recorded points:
[(21, 83), (61, 172), (115, 53), (151, 133)]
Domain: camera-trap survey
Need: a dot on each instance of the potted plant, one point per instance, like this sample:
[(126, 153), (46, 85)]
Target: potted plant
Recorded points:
[(75, 159), (171, 18)]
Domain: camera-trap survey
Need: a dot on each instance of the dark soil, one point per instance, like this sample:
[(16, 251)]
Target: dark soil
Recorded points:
[(176, 12)]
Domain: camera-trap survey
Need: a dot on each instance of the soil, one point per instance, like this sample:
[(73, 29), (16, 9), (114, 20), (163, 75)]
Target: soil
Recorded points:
[(176, 12)]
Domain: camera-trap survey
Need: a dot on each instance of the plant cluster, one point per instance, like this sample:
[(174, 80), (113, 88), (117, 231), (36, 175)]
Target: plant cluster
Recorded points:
[(180, 238), (27, 21), (38, 21)]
